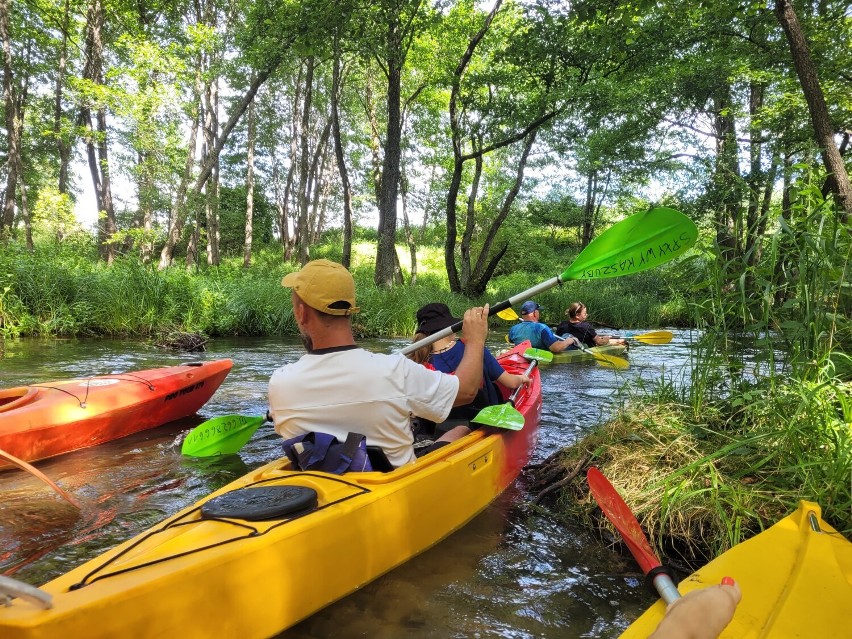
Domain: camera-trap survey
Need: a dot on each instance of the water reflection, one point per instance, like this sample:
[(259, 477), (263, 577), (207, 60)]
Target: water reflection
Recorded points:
[(511, 572)]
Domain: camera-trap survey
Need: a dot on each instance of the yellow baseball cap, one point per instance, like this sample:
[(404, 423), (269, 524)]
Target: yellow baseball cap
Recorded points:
[(325, 286)]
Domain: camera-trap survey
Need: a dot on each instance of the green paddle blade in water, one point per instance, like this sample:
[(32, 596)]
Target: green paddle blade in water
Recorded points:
[(223, 435), (638, 243), (500, 416)]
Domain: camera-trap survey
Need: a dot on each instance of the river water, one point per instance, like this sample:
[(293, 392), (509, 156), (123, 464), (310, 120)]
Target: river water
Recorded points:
[(513, 571)]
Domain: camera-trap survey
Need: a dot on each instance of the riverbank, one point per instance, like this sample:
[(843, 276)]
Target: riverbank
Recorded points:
[(700, 484)]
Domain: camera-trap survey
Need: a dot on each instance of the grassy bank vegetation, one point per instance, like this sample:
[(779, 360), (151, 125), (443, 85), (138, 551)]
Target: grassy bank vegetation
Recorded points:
[(761, 419), (62, 289)]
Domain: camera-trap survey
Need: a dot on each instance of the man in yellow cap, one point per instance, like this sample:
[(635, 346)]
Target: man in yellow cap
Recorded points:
[(338, 387)]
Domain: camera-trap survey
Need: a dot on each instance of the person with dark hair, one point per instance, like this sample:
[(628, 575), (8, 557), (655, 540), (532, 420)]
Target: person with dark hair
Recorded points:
[(539, 334), (577, 326), (338, 388), (447, 353)]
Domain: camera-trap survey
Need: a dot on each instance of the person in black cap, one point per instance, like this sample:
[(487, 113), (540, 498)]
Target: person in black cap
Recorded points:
[(446, 354), (539, 334)]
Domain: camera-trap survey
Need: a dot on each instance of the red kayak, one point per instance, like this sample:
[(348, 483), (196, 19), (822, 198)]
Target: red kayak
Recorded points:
[(44, 420)]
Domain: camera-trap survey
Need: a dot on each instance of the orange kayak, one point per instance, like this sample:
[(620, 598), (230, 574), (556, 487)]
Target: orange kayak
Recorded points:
[(48, 419)]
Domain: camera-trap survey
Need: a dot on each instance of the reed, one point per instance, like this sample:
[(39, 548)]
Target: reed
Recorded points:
[(762, 416)]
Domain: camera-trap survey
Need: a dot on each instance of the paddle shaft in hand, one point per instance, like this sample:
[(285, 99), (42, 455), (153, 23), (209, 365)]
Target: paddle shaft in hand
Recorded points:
[(622, 518), (506, 415)]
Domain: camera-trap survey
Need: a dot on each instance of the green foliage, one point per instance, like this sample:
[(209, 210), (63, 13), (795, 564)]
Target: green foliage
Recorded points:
[(232, 219)]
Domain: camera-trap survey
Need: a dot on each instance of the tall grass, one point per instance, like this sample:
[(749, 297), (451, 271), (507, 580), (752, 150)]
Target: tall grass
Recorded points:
[(764, 416), (65, 290)]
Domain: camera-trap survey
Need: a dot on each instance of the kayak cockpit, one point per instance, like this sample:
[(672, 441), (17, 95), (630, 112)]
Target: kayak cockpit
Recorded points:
[(13, 398)]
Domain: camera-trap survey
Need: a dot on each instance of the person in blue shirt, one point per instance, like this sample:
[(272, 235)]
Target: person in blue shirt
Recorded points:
[(446, 354), (536, 332)]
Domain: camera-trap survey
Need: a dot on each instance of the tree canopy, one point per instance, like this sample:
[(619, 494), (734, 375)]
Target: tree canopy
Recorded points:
[(452, 112)]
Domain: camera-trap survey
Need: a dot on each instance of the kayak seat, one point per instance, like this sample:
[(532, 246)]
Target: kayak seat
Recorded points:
[(444, 427), (378, 460), (261, 503)]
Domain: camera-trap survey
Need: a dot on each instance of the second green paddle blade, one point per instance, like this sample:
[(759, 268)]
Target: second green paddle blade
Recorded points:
[(220, 436), (500, 416)]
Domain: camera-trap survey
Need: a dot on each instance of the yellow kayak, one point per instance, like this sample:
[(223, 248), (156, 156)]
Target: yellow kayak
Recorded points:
[(796, 580), (571, 356), (212, 570)]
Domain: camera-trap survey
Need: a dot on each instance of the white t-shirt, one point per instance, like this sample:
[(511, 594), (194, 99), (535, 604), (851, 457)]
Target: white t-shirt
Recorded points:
[(337, 391)]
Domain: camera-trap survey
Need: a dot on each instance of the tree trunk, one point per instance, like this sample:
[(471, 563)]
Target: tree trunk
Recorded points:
[(386, 259), (283, 199), (25, 209), (13, 128), (178, 211), (147, 193), (487, 263), (316, 173), (406, 225), (249, 188), (63, 147), (465, 247), (458, 156), (97, 153), (755, 175), (589, 208), (341, 157), (319, 185), (303, 194), (820, 118), (725, 190), (211, 200)]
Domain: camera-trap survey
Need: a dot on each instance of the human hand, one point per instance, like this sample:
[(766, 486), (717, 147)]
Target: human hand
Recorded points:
[(475, 324), (701, 614)]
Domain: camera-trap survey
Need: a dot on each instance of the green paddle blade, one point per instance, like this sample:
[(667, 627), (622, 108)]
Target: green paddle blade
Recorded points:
[(500, 416), (223, 435), (638, 243), (538, 354)]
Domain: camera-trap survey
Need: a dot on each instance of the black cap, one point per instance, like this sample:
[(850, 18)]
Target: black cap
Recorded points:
[(434, 317)]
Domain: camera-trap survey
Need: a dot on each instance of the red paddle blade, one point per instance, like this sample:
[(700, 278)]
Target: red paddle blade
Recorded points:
[(622, 518)]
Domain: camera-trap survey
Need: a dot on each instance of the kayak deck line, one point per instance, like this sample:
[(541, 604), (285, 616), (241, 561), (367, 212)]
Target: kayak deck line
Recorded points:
[(258, 529), (57, 386)]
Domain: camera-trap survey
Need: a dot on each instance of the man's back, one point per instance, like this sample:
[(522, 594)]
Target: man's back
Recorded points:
[(539, 335), (349, 389)]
